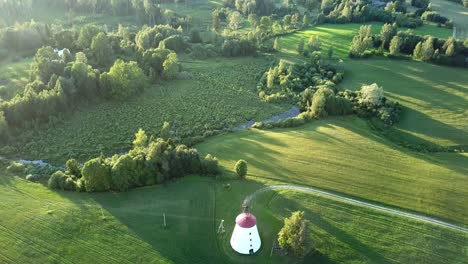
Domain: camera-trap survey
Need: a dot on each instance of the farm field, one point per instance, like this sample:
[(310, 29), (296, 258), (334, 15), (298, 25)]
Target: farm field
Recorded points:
[(435, 97), (340, 36), (214, 100), (68, 227), (345, 156)]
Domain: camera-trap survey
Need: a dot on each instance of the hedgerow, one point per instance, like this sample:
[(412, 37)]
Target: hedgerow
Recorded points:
[(150, 161)]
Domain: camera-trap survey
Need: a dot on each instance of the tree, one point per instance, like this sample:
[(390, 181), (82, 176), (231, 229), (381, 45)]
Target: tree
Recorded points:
[(73, 168), (314, 43), (300, 46), (235, 20), (241, 168), (121, 173), (330, 52), (123, 80), (46, 63), (427, 49), (215, 21), (165, 132), (3, 126), (171, 66), (305, 20), (371, 94), (141, 139), (387, 32), (417, 51), (277, 44), (449, 47), (395, 45), (102, 50), (97, 175), (195, 36), (293, 236), (87, 33), (253, 20)]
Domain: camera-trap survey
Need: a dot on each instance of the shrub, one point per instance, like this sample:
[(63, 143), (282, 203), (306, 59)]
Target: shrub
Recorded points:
[(72, 168), (60, 180), (371, 94), (97, 175), (121, 173), (293, 236), (210, 165), (241, 168), (434, 16), (16, 167), (176, 43)]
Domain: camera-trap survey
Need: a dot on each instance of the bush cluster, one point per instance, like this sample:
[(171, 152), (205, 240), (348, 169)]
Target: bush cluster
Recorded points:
[(151, 161), (288, 82)]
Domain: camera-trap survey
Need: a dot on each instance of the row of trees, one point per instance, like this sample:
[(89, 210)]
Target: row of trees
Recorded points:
[(151, 161), (447, 52)]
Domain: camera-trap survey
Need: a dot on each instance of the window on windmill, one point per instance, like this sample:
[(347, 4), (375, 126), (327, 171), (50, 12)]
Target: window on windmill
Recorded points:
[(250, 245), (250, 239), (250, 234)]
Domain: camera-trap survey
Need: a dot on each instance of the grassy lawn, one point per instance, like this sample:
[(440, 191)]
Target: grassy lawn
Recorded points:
[(343, 155), (13, 77), (435, 97), (215, 98), (340, 36), (454, 11), (67, 227)]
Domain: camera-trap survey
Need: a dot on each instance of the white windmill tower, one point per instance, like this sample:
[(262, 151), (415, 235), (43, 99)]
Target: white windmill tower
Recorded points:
[(245, 238)]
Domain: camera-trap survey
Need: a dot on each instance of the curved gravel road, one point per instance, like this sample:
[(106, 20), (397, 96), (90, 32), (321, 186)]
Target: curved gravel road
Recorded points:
[(249, 199)]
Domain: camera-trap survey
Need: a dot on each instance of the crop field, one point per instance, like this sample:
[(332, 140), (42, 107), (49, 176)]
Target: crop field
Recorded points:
[(340, 36), (65, 227), (214, 99), (344, 155), (13, 77), (435, 97)]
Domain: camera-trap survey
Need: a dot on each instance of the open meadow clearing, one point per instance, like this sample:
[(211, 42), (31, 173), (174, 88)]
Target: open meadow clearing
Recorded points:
[(69, 227), (456, 12), (435, 97), (343, 155)]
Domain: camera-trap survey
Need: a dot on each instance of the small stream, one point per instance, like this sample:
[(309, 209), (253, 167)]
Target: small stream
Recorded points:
[(293, 112)]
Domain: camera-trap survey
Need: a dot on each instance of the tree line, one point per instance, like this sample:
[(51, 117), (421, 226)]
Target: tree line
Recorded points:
[(150, 161), (449, 51)]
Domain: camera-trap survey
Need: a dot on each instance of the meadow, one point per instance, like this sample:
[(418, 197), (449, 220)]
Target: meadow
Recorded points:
[(455, 12), (343, 155), (14, 75), (340, 36), (64, 227), (213, 99), (434, 97)]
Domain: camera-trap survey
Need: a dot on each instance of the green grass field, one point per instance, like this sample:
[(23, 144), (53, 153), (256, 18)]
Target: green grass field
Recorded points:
[(435, 97), (454, 11), (13, 77), (343, 155), (215, 98), (340, 36), (67, 227)]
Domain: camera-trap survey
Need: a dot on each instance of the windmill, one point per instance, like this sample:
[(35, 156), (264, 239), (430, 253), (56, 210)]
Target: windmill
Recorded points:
[(245, 238)]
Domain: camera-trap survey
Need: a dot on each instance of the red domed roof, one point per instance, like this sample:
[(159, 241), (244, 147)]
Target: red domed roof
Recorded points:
[(246, 220)]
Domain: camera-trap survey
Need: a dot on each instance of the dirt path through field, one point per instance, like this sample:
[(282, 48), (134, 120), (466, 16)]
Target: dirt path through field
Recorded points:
[(249, 200)]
